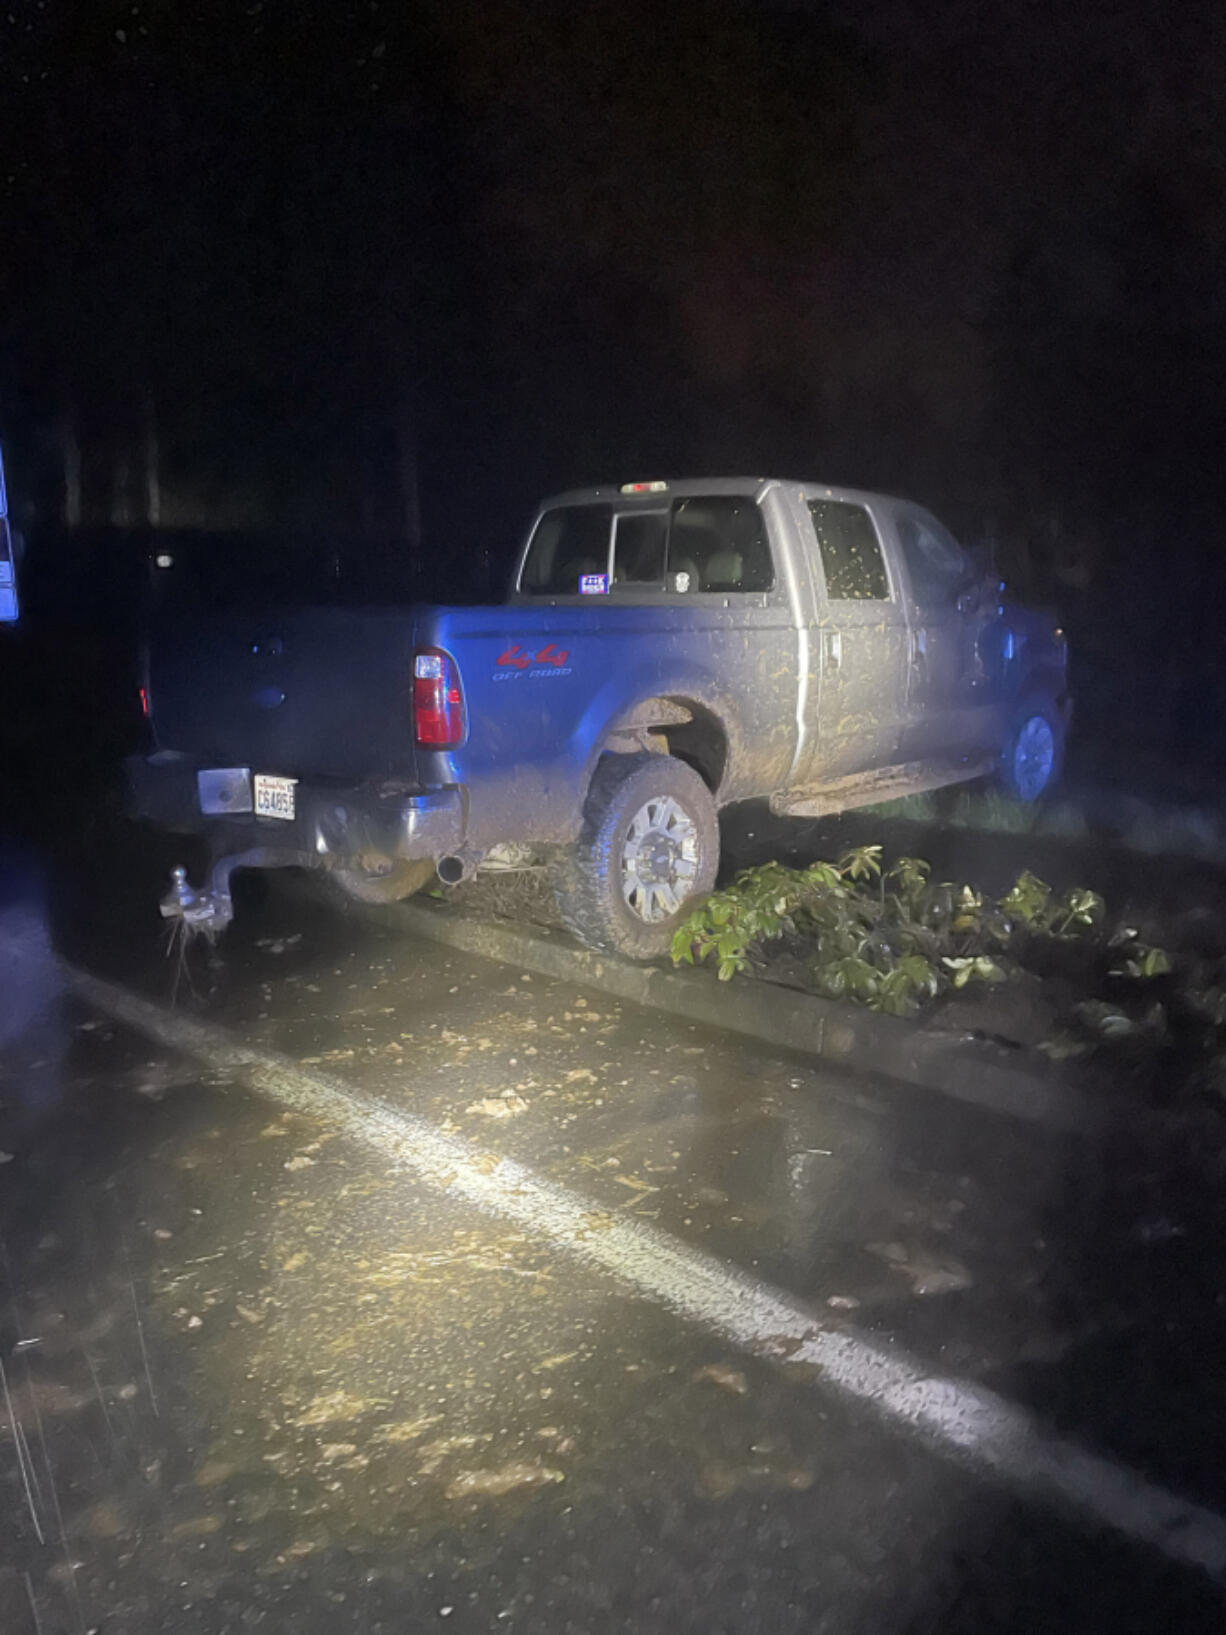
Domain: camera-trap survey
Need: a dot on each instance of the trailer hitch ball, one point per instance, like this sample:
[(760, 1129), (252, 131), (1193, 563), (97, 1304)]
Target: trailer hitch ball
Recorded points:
[(181, 896), (206, 911)]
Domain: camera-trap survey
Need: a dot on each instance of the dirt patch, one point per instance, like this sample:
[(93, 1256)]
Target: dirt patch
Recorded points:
[(524, 897)]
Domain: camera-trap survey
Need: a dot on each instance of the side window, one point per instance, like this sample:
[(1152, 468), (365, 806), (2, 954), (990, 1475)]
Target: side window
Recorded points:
[(851, 552), (567, 543), (639, 542), (720, 543), (935, 562)]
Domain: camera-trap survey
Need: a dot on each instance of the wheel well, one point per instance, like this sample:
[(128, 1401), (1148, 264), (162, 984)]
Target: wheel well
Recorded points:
[(700, 742), (673, 726)]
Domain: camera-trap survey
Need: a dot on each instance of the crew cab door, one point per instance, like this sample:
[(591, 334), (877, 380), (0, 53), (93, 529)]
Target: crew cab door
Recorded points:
[(951, 709), (861, 642)]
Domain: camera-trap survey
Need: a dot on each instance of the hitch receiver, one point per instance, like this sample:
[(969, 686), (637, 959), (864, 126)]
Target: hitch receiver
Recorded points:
[(211, 909), (208, 912)]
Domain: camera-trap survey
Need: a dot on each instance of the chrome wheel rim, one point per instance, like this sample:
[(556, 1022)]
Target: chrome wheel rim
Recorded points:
[(659, 859), (1034, 755)]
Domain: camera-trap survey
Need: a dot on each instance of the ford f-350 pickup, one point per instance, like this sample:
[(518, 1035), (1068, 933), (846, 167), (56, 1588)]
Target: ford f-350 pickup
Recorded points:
[(666, 649)]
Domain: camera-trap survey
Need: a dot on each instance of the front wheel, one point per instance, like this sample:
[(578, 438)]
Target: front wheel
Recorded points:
[(649, 848), (1034, 751)]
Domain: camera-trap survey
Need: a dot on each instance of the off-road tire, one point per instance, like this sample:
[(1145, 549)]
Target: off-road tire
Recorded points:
[(587, 877)]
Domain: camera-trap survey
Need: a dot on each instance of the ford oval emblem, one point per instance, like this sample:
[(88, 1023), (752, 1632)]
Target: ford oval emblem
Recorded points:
[(268, 698)]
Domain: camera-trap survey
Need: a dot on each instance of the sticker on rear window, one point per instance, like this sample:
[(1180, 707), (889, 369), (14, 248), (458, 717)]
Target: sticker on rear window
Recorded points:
[(593, 584)]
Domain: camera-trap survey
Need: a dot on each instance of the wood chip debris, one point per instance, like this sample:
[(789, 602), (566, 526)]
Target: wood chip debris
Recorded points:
[(494, 1484), (337, 1405), (405, 1430), (723, 1374), (504, 1106), (928, 1274)]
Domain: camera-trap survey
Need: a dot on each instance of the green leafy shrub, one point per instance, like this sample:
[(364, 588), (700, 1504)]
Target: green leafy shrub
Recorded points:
[(891, 938), (886, 938), (894, 940)]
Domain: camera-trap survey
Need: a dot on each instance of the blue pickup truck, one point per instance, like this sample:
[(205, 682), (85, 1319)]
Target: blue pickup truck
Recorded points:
[(666, 649)]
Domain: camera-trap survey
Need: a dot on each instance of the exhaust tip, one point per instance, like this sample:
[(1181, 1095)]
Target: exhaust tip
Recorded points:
[(451, 870)]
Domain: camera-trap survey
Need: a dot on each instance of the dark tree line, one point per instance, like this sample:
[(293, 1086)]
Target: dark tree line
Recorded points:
[(396, 270)]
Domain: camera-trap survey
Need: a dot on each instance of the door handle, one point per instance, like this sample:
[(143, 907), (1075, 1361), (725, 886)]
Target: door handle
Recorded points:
[(833, 649)]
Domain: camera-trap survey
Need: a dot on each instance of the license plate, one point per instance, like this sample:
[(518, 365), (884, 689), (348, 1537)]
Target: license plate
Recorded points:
[(274, 797)]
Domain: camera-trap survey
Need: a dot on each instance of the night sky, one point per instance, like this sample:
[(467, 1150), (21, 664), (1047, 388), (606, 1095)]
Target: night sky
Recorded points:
[(399, 269)]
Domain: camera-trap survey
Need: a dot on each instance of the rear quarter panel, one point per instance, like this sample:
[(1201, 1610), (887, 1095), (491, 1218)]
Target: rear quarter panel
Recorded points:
[(543, 684)]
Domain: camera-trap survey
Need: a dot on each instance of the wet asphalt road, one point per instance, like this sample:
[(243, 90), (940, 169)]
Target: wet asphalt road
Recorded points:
[(263, 1380)]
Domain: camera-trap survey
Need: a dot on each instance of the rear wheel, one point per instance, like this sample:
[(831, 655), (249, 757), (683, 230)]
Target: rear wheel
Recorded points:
[(369, 881), (649, 849), (1034, 752)]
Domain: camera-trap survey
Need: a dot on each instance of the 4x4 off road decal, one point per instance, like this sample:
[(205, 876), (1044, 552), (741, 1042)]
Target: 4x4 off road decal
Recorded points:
[(550, 661)]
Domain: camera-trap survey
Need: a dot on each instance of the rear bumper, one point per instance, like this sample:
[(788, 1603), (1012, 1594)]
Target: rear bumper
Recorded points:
[(331, 822)]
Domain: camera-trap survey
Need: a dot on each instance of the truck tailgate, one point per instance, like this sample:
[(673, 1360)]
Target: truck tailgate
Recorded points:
[(313, 692)]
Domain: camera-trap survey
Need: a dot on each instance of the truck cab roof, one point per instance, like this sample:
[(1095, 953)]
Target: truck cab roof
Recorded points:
[(653, 493)]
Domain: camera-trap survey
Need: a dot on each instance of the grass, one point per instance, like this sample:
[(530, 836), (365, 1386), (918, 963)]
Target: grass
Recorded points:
[(1133, 825), (910, 808), (987, 811)]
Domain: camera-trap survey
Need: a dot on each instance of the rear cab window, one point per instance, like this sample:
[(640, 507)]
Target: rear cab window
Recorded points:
[(569, 544), (719, 543), (713, 543), (640, 547), (852, 559)]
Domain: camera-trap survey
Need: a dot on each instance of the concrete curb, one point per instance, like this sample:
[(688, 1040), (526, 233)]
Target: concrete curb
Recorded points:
[(969, 1070)]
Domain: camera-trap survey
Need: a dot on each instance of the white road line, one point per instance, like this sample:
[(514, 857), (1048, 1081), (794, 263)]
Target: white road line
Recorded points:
[(956, 1418)]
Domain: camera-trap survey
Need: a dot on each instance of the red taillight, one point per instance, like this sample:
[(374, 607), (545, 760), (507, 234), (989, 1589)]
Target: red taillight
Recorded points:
[(144, 702), (438, 703)]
